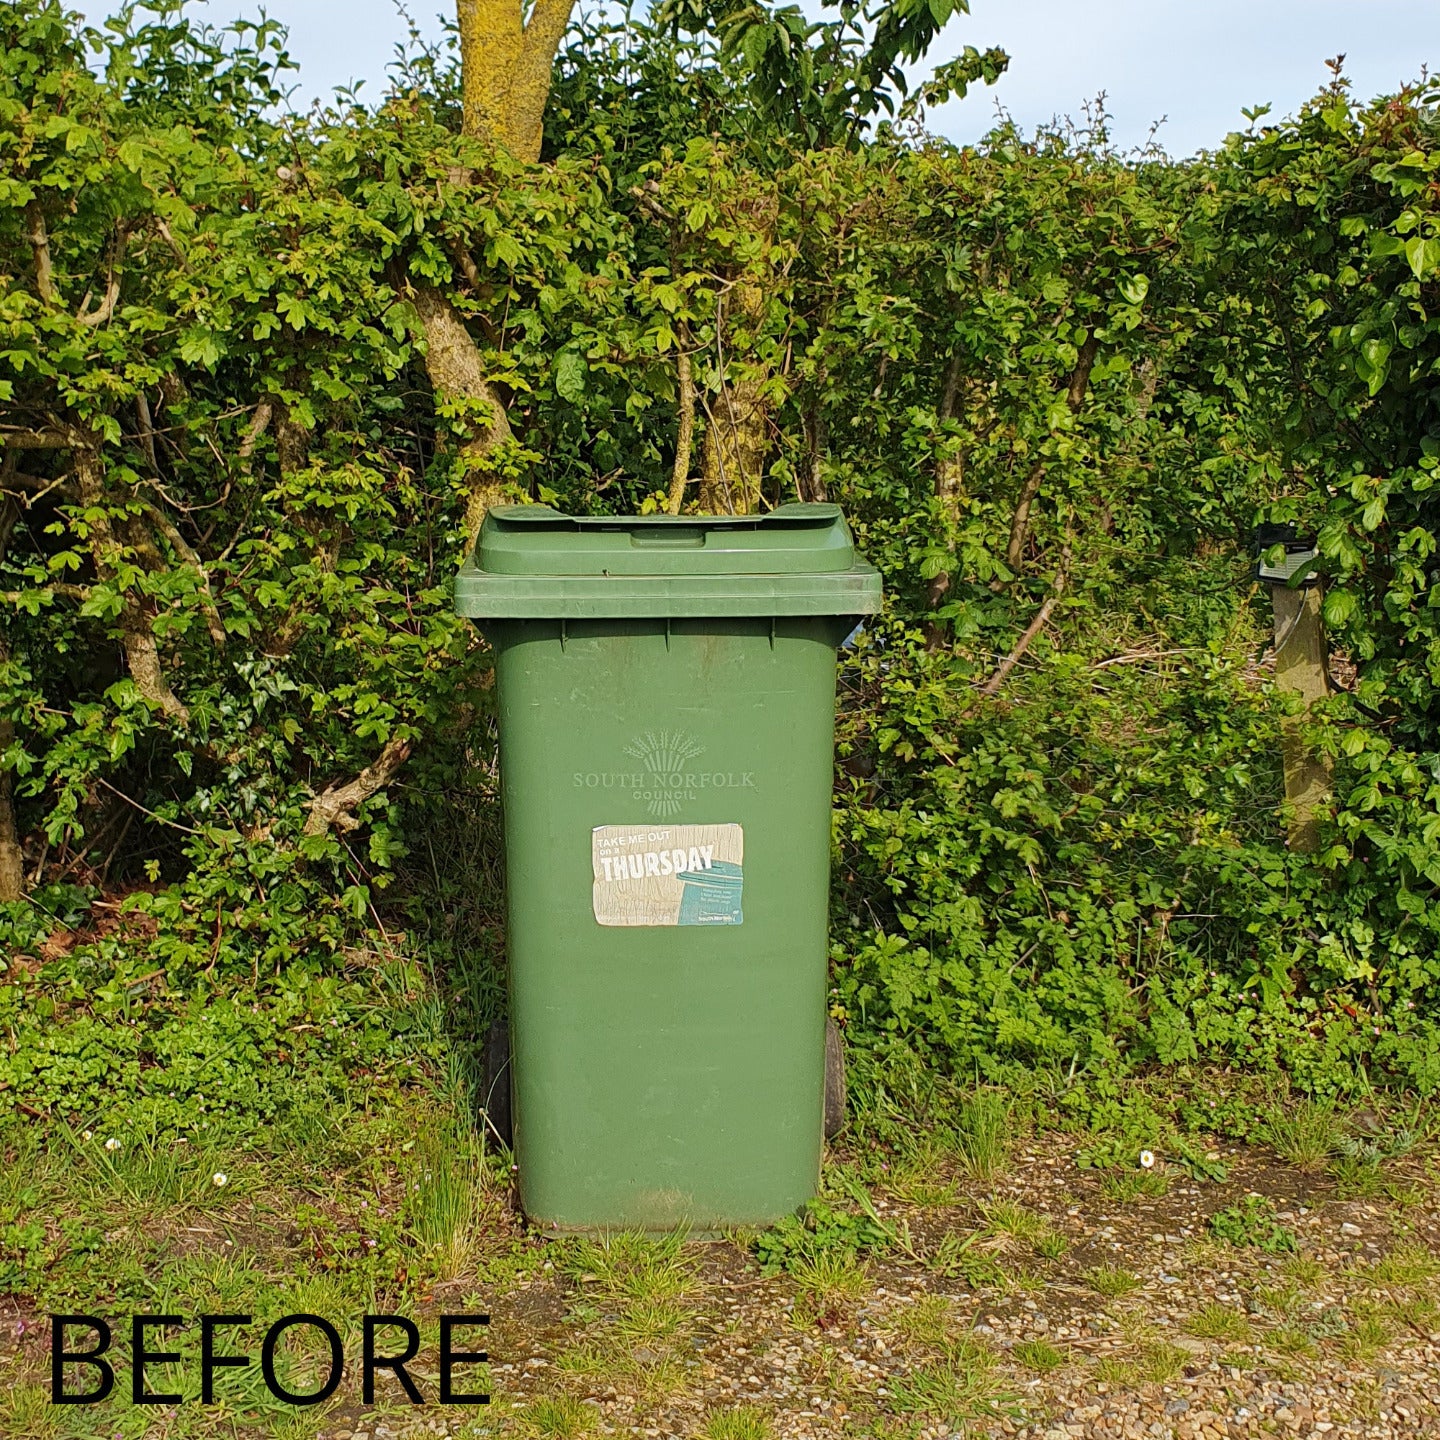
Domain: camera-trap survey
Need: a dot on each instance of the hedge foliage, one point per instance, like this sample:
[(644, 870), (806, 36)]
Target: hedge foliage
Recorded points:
[(1036, 373)]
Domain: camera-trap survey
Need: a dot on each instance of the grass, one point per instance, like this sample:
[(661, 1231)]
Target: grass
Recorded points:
[(959, 1387), (919, 1177), (1303, 1270), (981, 1135), (557, 1417), (1306, 1134), (631, 1266), (444, 1198), (1161, 1363), (737, 1422), (1218, 1322), (1409, 1263), (1115, 1370), (27, 1414), (1111, 1281), (1039, 1356), (830, 1283), (1129, 1186), (924, 1324), (1153, 1362)]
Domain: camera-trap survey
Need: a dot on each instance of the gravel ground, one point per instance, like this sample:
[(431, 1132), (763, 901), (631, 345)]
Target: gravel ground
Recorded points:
[(1027, 1336)]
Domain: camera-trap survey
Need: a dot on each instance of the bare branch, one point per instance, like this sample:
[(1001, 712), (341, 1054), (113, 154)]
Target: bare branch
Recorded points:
[(333, 806), (68, 592), (40, 247), (170, 240), (37, 439), (146, 426), (261, 419), (183, 550), (684, 440), (992, 686), (1020, 522), (106, 307)]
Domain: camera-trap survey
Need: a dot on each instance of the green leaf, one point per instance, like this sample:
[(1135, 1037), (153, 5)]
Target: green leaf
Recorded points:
[(570, 375), (1135, 288), (1339, 607)]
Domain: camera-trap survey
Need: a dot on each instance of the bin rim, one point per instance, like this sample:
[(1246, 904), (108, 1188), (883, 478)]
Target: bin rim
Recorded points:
[(479, 595), (535, 562)]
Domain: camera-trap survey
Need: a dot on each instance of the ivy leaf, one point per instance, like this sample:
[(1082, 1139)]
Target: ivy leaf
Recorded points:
[(570, 375), (1423, 255)]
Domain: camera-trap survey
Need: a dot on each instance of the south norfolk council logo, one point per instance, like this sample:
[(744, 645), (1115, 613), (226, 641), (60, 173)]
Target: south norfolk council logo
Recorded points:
[(668, 774)]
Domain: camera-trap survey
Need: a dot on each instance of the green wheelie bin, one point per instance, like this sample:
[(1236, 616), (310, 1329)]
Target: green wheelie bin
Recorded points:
[(666, 695)]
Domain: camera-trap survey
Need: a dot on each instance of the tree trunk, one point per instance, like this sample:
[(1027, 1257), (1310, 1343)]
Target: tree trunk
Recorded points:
[(505, 66), (1076, 389), (137, 635), (737, 439), (949, 474), (685, 427), (1300, 656), (736, 442), (457, 374), (12, 862)]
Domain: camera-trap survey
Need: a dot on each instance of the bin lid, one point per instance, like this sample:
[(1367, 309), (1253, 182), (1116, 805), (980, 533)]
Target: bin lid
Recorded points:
[(533, 562)]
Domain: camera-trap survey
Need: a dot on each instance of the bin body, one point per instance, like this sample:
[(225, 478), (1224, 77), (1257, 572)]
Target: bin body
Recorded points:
[(666, 781)]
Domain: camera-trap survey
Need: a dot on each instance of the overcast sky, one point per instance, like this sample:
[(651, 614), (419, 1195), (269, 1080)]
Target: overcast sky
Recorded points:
[(1193, 62)]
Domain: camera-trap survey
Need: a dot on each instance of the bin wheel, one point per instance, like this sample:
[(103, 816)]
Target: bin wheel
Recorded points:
[(834, 1080), (495, 1097)]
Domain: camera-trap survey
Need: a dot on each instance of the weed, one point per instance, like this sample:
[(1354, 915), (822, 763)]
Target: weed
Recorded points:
[(1110, 1281), (1285, 1301), (1366, 1335), (1219, 1322), (1357, 1179), (962, 1257), (1051, 1245), (1038, 1355), (1406, 1196), (1291, 1340), (1417, 1312), (737, 1422), (1252, 1223), (822, 1230), (1306, 1134)]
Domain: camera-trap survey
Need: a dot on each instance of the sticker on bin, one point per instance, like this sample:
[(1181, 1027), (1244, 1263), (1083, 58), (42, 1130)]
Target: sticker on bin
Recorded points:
[(667, 874)]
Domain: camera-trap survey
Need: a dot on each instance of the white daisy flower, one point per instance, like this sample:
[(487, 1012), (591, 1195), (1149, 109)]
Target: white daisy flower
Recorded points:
[(1147, 1159)]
